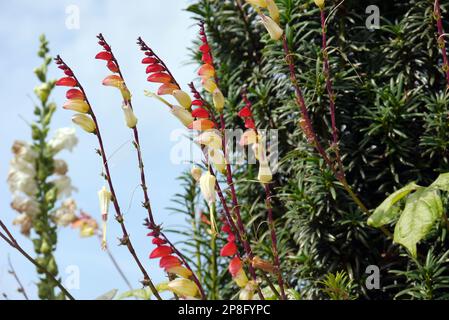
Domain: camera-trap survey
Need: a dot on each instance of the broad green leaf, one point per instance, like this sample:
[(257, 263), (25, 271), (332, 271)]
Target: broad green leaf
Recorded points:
[(422, 209), (386, 212), (108, 295), (442, 182)]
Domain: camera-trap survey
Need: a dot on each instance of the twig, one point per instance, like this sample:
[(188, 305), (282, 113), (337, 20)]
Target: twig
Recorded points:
[(9, 239), (125, 240), (16, 277)]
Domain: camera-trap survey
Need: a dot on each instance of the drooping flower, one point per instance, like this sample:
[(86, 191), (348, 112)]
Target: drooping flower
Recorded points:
[(169, 261), (238, 274), (211, 139), (249, 137), (216, 157), (200, 113), (261, 264), (130, 117), (77, 105), (196, 173), (183, 99), (320, 3), (64, 139), (180, 271), (209, 85), (272, 27), (218, 99), (104, 198), (183, 287), (183, 115), (67, 82), (85, 122), (117, 82), (265, 175), (160, 252), (86, 224), (229, 249), (207, 186)]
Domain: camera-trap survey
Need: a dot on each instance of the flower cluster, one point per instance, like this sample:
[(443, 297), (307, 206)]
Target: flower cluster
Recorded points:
[(182, 286), (270, 22), (22, 180)]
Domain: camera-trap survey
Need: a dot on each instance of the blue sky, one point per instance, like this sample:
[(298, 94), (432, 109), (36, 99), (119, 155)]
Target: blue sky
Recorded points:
[(169, 30)]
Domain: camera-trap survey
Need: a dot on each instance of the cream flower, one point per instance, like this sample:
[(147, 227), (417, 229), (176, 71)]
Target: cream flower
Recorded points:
[(66, 214), (26, 205), (64, 186), (21, 182), (23, 150), (25, 222), (64, 139)]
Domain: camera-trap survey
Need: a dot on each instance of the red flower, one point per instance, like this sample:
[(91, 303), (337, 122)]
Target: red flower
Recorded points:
[(154, 68), (112, 66), (169, 261), (74, 94), (205, 48), (149, 60), (104, 55), (197, 103), (235, 266), (249, 123), (228, 250), (200, 113), (160, 77), (161, 251), (158, 241), (245, 112), (66, 82), (226, 228), (231, 237)]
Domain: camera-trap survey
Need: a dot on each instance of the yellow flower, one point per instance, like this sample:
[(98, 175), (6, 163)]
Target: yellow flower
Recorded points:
[(183, 98), (217, 158), (240, 278), (272, 27), (180, 271), (265, 176), (211, 139), (77, 105), (258, 3), (319, 3), (209, 85), (183, 287), (196, 173), (104, 197), (182, 114), (273, 10), (219, 100), (207, 186), (130, 117), (85, 122)]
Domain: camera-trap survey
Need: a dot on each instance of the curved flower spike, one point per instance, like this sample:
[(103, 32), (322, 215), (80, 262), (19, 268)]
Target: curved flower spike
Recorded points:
[(76, 105), (85, 122)]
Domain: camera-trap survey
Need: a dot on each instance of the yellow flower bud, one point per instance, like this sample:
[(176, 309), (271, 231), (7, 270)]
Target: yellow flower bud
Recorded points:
[(273, 10), (219, 100), (180, 271), (258, 3), (265, 176), (183, 287), (272, 27), (211, 139), (319, 3), (209, 85), (240, 278), (85, 122), (183, 98), (196, 173), (77, 105), (130, 117), (183, 115)]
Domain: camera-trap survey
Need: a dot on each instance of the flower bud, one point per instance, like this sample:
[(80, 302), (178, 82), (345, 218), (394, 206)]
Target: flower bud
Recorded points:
[(258, 3), (196, 173), (272, 27), (319, 3), (77, 105), (265, 176), (85, 122), (209, 85), (219, 100), (261, 264), (183, 287), (183, 98), (183, 115), (130, 118), (273, 10)]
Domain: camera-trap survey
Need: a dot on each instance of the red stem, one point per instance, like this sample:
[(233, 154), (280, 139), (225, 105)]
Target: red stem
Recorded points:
[(441, 41)]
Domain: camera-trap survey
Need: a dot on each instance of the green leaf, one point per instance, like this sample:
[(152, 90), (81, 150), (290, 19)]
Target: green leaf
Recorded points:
[(144, 294), (421, 211), (108, 295), (386, 212), (442, 182)]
